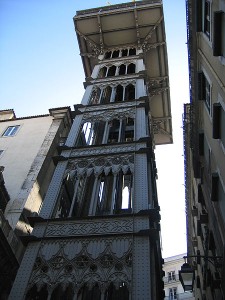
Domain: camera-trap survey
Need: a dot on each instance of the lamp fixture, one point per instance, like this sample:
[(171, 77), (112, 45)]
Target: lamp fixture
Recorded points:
[(187, 274)]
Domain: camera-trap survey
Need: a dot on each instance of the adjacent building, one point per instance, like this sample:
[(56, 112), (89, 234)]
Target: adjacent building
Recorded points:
[(27, 145), (97, 233), (172, 285), (26, 148), (204, 145)]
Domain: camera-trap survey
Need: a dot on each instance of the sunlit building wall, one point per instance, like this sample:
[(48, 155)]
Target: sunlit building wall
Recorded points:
[(204, 144)]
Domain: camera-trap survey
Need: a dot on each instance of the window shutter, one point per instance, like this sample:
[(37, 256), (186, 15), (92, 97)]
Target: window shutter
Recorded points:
[(198, 15), (201, 144), (201, 86), (214, 190), (200, 195), (217, 33), (216, 120)]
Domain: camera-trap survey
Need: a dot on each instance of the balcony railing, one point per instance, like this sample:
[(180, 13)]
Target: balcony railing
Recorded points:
[(171, 279), (180, 296)]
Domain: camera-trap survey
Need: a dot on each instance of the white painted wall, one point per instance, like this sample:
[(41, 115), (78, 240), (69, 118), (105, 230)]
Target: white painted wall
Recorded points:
[(19, 151)]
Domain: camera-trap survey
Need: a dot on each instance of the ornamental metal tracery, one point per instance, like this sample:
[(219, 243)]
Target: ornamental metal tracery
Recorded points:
[(108, 115), (101, 263), (85, 167)]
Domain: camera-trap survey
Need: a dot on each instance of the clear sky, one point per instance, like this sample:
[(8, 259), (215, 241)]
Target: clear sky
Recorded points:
[(40, 68)]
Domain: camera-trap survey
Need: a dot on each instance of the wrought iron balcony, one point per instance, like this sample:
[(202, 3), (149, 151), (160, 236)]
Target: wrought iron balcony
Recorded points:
[(171, 279), (180, 296)]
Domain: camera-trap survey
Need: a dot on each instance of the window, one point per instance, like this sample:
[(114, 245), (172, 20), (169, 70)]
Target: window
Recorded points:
[(119, 293), (222, 127), (171, 276), (218, 123), (114, 70), (120, 53), (126, 93), (221, 198), (173, 293), (95, 195), (207, 18), (91, 133), (11, 130), (121, 130), (219, 33), (207, 95), (216, 134), (204, 90)]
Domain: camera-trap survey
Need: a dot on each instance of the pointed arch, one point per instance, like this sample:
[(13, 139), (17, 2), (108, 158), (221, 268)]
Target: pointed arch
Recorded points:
[(108, 54), (115, 53), (111, 71), (129, 92), (124, 52), (85, 294), (122, 69), (35, 294), (131, 68), (113, 293), (132, 51), (119, 93), (102, 72)]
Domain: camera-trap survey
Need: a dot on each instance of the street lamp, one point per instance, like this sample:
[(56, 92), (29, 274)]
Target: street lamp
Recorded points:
[(187, 274), (187, 277)]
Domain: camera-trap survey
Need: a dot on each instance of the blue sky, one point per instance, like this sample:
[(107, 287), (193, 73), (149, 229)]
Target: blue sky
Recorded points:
[(40, 68)]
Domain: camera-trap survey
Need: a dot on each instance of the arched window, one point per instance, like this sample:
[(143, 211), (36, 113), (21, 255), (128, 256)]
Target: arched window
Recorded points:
[(34, 294), (122, 69), (123, 193), (115, 53), (114, 127), (111, 71), (105, 195), (129, 92), (59, 294), (102, 72), (106, 95), (119, 93), (94, 99), (91, 133), (65, 197), (122, 293), (131, 68), (86, 294), (108, 55), (129, 130), (124, 52), (132, 51), (82, 197), (114, 193)]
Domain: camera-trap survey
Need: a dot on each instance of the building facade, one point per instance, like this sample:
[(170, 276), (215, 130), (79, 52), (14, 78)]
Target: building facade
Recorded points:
[(172, 285), (97, 234), (26, 167), (204, 145), (27, 145)]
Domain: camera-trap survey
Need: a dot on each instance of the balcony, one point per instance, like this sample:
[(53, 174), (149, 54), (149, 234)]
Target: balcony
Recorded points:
[(171, 279), (186, 295)]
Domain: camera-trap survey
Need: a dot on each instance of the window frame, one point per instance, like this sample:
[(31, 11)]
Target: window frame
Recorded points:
[(207, 19), (205, 90), (171, 276), (12, 131), (173, 293)]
